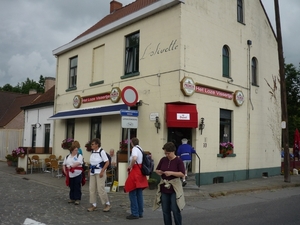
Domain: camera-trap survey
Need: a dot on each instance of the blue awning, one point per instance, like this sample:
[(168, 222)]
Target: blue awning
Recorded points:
[(89, 112)]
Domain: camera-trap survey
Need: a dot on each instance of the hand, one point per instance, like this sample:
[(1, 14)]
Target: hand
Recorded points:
[(101, 174), (168, 173), (160, 172)]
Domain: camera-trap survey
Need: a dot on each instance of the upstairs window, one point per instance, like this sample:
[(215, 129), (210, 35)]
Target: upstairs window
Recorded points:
[(96, 127), (226, 61), (70, 128), (254, 71), (240, 14), (73, 72), (132, 53)]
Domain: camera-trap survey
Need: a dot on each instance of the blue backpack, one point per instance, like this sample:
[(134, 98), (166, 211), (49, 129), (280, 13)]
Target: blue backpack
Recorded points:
[(103, 163)]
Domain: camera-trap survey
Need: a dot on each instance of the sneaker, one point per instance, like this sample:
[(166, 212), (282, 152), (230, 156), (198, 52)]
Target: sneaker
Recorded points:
[(91, 209), (131, 217), (71, 201), (106, 208), (184, 183), (77, 202)]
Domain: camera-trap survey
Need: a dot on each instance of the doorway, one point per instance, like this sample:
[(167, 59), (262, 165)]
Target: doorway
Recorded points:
[(176, 134)]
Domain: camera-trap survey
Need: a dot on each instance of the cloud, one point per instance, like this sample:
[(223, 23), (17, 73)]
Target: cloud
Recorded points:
[(21, 67)]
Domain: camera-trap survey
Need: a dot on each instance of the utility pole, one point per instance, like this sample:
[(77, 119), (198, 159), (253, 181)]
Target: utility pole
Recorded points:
[(284, 114)]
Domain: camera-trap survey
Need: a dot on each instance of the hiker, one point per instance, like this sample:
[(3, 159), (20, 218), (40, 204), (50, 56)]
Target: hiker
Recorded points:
[(72, 167), (97, 176), (136, 181), (170, 192)]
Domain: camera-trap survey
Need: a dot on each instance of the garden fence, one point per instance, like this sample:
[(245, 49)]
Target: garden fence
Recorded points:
[(10, 139)]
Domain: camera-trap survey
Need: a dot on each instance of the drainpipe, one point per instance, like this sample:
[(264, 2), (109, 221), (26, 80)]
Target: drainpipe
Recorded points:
[(249, 104)]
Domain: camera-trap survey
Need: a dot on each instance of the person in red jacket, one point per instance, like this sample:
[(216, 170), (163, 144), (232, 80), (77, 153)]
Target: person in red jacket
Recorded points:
[(136, 182)]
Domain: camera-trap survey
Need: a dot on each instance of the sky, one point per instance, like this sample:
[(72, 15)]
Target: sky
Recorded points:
[(31, 29)]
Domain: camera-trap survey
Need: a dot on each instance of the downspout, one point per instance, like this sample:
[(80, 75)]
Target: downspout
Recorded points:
[(249, 104)]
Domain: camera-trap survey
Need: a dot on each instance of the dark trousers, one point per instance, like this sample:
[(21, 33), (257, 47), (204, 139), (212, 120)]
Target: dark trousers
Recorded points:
[(75, 188), (168, 204)]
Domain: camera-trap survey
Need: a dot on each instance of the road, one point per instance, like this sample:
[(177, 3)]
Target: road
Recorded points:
[(23, 199)]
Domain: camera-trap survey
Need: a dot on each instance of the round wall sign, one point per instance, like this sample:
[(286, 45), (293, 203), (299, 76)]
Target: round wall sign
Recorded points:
[(76, 101), (187, 86), (129, 96), (238, 98), (115, 94)]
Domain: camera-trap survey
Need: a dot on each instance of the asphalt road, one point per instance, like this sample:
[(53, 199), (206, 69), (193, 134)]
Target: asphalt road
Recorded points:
[(23, 199)]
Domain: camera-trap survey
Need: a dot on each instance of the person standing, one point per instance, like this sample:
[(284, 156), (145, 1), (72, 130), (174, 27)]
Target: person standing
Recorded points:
[(170, 192), (72, 167), (185, 152), (136, 182), (76, 143), (97, 173), (113, 157)]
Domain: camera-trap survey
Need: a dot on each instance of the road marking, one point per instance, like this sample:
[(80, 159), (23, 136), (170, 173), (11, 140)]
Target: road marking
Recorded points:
[(32, 222)]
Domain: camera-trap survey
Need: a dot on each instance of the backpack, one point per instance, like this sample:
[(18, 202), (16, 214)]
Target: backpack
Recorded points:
[(103, 163), (147, 164)]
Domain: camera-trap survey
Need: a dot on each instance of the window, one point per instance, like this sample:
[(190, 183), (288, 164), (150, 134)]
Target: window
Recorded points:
[(98, 64), (33, 138), (96, 127), (225, 125), (132, 53), (73, 72), (70, 128), (240, 15), (226, 61), (254, 71), (47, 138)]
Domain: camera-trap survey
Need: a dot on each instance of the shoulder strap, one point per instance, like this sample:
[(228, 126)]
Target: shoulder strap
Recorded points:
[(139, 149)]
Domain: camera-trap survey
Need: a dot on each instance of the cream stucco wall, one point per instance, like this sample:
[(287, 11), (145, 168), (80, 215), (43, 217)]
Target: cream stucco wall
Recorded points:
[(193, 35)]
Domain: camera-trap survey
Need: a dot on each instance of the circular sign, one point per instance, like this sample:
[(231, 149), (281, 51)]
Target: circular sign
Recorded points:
[(187, 86), (76, 101), (115, 94), (129, 96), (238, 98)]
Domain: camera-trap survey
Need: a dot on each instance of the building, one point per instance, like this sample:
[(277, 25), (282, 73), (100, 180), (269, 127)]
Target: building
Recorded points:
[(203, 70)]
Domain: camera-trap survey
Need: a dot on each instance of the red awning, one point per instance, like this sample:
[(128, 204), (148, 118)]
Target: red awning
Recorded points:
[(182, 115)]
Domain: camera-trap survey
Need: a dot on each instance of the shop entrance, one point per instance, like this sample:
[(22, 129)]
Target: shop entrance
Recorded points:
[(176, 134)]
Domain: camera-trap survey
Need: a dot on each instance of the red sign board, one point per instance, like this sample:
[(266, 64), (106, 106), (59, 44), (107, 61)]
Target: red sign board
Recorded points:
[(94, 98), (213, 92)]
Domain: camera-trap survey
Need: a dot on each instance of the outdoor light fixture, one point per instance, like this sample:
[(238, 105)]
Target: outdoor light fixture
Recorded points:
[(157, 123), (201, 125), (38, 125)]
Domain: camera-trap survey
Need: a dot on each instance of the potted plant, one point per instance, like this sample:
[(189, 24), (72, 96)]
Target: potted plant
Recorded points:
[(9, 159), (20, 170), (152, 183), (66, 143), (226, 148), (88, 146), (18, 152)]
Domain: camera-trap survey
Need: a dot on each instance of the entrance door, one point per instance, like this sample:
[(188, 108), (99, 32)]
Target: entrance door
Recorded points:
[(176, 134)]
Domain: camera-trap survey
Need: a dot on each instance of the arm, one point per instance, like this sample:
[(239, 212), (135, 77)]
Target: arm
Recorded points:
[(132, 162), (175, 174)]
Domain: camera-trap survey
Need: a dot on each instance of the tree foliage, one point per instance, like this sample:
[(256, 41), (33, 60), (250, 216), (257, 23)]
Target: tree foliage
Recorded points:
[(26, 86), (292, 79)]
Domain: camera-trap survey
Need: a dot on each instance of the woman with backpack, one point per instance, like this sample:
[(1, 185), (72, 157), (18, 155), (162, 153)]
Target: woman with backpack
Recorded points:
[(72, 167), (97, 176)]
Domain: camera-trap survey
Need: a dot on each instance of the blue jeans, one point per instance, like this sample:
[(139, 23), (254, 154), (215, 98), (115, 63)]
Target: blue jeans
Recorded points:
[(168, 204), (136, 202), (75, 188)]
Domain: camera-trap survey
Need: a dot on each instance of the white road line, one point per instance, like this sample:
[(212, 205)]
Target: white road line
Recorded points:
[(32, 222)]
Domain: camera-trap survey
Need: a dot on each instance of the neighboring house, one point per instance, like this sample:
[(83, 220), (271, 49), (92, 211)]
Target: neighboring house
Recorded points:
[(38, 130), (12, 120), (202, 71)]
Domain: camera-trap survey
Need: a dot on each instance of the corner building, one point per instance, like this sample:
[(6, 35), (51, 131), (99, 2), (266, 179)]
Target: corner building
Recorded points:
[(203, 70)]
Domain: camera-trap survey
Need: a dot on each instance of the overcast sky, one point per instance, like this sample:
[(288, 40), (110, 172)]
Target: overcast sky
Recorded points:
[(32, 29)]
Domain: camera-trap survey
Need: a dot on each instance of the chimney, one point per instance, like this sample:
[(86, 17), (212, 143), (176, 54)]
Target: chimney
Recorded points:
[(114, 6), (32, 91), (49, 83)]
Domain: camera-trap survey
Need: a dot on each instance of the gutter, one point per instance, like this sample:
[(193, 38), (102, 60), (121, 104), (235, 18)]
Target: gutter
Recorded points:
[(125, 21)]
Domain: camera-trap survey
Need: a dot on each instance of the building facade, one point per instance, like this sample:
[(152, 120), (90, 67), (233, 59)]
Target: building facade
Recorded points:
[(203, 70)]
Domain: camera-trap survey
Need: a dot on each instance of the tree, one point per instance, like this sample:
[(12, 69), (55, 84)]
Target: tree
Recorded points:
[(293, 99), (26, 86)]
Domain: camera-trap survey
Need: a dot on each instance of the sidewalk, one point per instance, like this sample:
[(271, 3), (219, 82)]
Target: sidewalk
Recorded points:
[(192, 192)]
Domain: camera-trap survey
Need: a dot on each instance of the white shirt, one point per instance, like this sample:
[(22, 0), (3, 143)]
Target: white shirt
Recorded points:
[(70, 162), (96, 159), (137, 152)]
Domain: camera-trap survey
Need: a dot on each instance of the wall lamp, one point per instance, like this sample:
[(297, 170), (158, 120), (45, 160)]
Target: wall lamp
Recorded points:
[(157, 123), (38, 125), (201, 125)]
